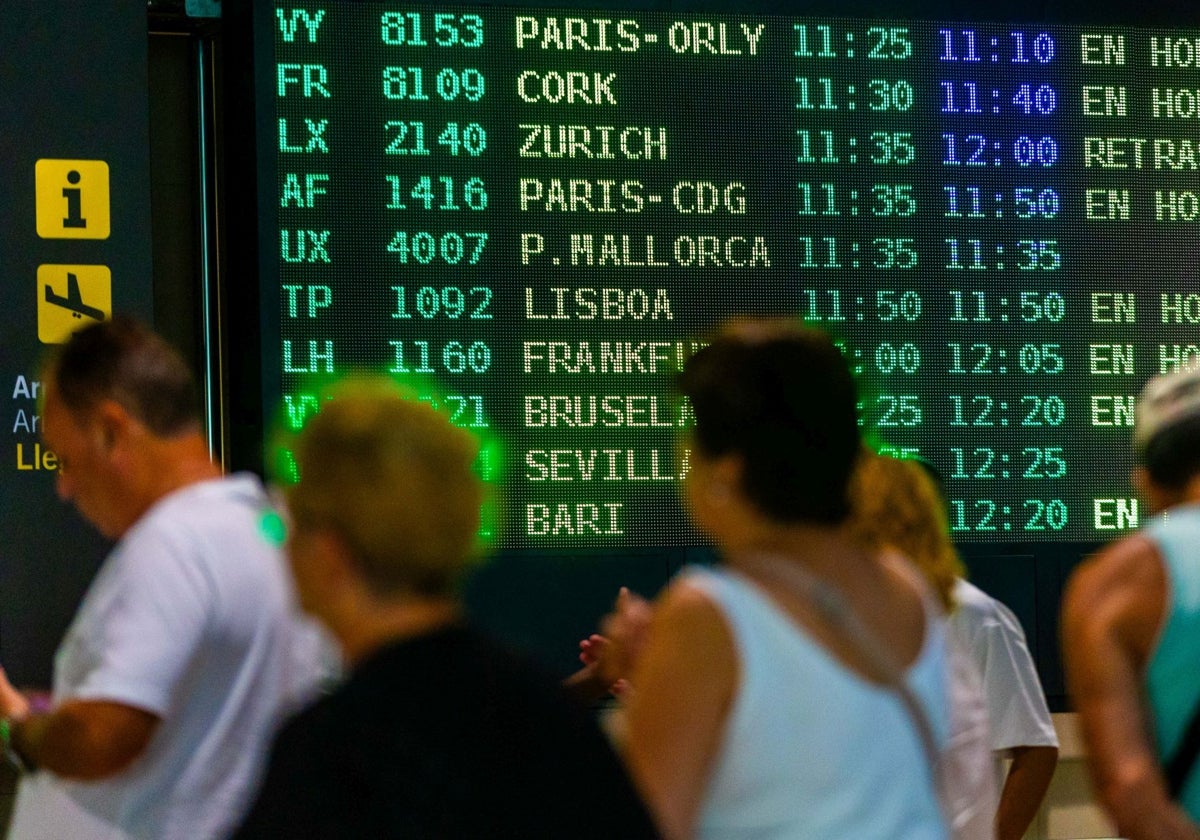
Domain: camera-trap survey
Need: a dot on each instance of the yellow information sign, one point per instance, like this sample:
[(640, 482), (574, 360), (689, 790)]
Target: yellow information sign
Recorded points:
[(70, 296), (72, 199)]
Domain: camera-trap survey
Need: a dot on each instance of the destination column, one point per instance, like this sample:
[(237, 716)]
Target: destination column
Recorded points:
[(633, 240)]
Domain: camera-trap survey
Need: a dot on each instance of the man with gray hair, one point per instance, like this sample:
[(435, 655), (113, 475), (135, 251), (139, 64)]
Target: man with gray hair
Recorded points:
[(188, 648), (1131, 631)]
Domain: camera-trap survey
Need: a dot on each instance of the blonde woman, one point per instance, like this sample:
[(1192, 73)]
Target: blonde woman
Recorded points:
[(898, 504)]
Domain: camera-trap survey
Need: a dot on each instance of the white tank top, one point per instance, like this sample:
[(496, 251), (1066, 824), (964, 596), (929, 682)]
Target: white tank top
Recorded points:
[(811, 749)]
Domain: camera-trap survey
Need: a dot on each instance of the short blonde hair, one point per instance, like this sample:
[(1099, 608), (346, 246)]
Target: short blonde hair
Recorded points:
[(395, 480), (896, 504)]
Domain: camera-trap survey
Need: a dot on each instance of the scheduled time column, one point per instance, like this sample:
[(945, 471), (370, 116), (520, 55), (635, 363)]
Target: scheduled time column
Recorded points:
[(858, 209)]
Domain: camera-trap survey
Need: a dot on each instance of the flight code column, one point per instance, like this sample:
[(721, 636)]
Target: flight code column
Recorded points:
[(859, 208), (434, 89), (304, 84), (628, 221), (1008, 452)]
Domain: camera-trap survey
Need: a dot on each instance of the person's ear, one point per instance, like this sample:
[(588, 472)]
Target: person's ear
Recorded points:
[(111, 423), (1140, 479), (1155, 495), (338, 564), (725, 478)]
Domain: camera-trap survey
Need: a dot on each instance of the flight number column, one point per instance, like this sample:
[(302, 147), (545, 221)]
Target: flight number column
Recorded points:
[(434, 92)]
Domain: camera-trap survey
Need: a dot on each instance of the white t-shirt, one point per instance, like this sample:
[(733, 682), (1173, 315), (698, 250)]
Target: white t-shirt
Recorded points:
[(970, 793), (992, 636), (192, 617)]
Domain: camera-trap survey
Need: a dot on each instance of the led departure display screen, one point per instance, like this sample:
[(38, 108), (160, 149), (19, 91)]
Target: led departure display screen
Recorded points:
[(542, 212)]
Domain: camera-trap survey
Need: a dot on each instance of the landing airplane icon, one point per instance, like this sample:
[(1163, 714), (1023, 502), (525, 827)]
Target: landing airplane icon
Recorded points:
[(73, 300)]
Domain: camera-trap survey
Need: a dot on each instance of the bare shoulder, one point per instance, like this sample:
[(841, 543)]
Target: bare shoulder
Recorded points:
[(898, 607), (1120, 591), (1124, 568), (689, 641), (689, 660), (686, 608)]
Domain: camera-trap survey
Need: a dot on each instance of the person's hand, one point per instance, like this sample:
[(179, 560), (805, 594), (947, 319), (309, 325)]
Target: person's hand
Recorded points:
[(608, 657), (13, 704), (623, 635), (591, 649), (596, 652)]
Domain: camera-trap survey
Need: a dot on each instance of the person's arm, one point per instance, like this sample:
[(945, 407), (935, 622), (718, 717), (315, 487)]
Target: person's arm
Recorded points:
[(1021, 725), (1028, 778), (1112, 611), (85, 740), (684, 681), (82, 739)]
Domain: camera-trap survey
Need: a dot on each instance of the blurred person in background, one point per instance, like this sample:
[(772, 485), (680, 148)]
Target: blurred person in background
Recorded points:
[(1131, 631), (187, 650), (437, 732), (799, 689), (898, 504)]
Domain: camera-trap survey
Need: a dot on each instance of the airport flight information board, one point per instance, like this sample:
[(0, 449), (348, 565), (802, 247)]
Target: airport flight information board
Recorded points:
[(542, 212)]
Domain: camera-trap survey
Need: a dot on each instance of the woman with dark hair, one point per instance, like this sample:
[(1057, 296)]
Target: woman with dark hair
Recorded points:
[(798, 690)]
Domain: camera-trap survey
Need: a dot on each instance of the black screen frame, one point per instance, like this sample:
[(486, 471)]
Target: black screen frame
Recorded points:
[(545, 600)]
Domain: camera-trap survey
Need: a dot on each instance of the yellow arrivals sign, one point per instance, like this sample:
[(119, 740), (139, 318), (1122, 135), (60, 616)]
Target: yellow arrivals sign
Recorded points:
[(70, 296)]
